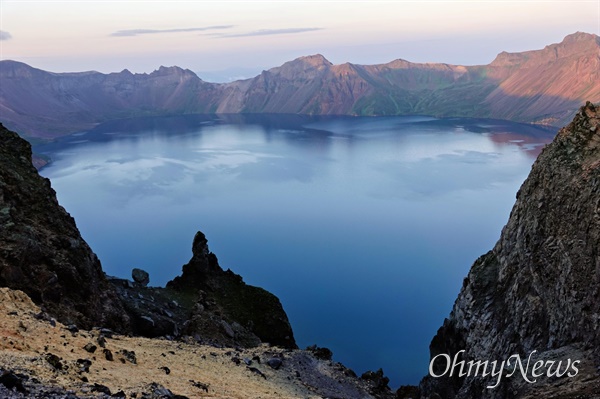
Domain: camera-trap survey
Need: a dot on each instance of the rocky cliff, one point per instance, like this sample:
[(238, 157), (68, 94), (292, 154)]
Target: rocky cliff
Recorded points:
[(542, 86), (207, 303), (41, 250), (250, 310), (536, 294)]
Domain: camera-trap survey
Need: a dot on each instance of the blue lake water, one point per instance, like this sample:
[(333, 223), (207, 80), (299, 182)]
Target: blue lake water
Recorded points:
[(363, 227)]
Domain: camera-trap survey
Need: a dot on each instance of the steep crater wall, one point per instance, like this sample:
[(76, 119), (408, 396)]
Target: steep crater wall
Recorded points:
[(538, 289)]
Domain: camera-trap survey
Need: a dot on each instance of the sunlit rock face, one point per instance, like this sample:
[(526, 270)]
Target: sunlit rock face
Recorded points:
[(542, 86)]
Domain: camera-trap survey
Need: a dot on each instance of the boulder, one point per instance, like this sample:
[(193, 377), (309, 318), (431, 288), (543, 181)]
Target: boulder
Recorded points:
[(140, 277)]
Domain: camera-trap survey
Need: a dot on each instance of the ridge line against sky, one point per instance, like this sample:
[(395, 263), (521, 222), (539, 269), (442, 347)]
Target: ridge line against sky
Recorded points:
[(243, 38)]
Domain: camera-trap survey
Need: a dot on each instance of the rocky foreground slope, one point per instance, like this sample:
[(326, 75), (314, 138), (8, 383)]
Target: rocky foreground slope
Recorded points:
[(541, 86), (45, 359), (536, 294)]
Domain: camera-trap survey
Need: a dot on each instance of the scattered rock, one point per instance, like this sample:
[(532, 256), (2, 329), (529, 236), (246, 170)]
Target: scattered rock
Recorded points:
[(101, 388), (130, 356), (89, 347), (257, 371), (140, 276), (160, 392), (42, 316), (165, 369), (200, 385), (108, 355), (72, 328), (11, 380), (84, 365), (275, 363), (107, 332), (320, 353), (54, 361)]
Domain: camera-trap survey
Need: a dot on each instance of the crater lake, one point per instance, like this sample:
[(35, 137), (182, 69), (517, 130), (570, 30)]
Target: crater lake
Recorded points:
[(364, 227)]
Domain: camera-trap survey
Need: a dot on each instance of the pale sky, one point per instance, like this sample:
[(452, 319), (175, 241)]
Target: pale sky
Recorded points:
[(245, 37)]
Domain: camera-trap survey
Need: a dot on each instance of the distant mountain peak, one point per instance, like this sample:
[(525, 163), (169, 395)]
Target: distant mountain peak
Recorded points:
[(302, 66), (572, 44), (172, 70), (505, 59), (581, 36), (314, 60), (575, 43)]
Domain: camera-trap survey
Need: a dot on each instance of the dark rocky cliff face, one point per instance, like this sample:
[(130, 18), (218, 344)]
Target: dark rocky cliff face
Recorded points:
[(538, 289), (226, 306), (41, 250), (207, 304)]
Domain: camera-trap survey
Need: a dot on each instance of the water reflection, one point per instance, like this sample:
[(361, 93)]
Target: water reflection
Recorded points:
[(364, 227)]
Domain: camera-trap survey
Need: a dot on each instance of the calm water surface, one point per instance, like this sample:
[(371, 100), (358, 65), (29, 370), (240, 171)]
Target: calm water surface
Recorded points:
[(363, 227)]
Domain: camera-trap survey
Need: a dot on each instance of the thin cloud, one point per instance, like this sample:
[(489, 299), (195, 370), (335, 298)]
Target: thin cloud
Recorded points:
[(136, 32), (266, 32), (4, 35)]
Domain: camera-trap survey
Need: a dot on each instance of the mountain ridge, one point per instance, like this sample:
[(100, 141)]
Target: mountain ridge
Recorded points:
[(538, 86)]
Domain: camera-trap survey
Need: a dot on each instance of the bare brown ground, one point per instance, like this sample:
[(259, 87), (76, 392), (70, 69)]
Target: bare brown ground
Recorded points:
[(25, 341)]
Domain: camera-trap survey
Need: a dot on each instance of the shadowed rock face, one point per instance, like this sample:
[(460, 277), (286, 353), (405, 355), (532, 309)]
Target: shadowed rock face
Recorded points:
[(228, 307), (538, 289), (41, 250), (211, 305)]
